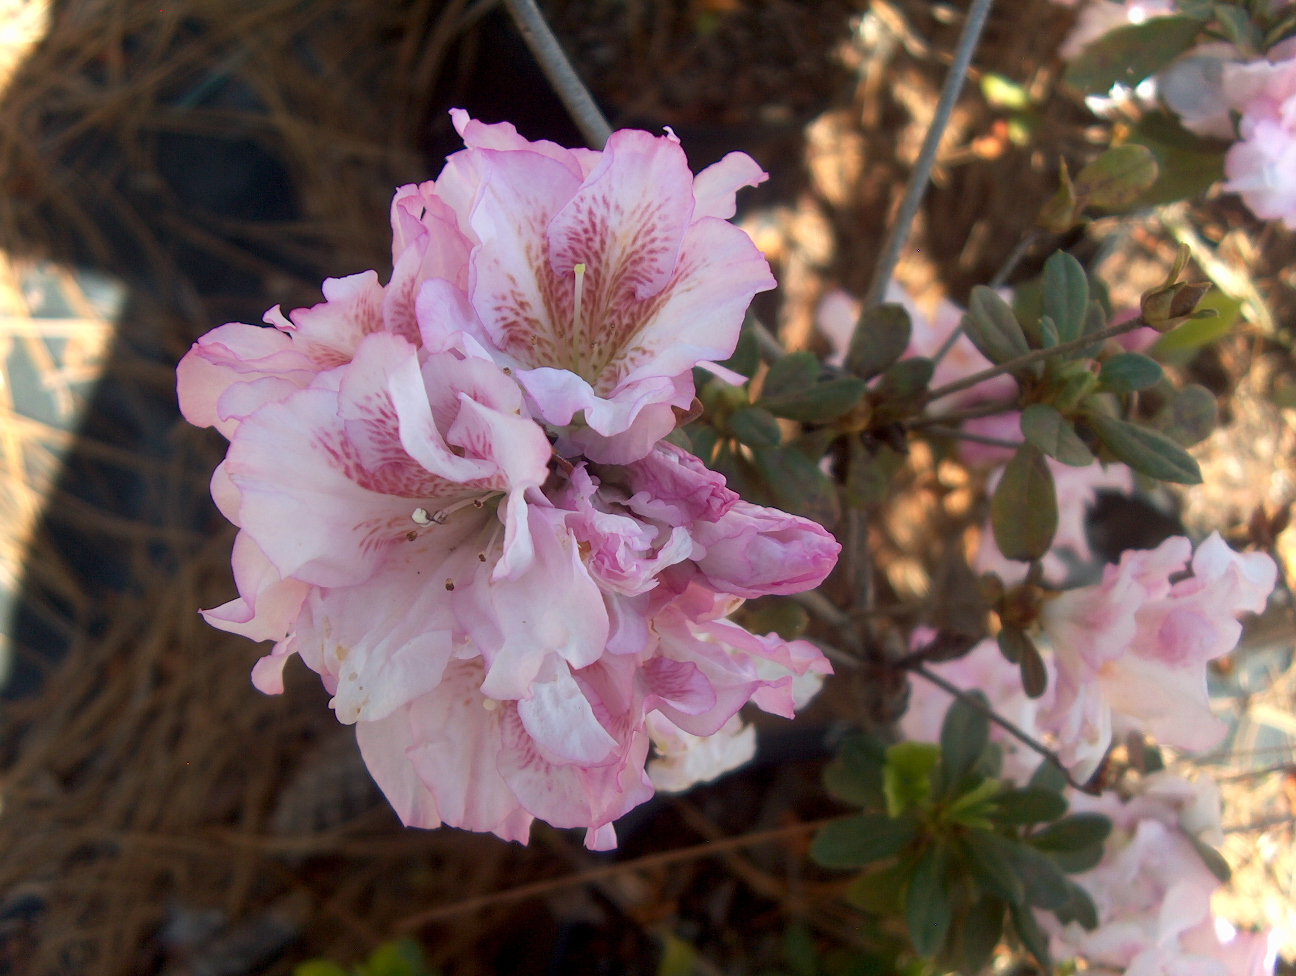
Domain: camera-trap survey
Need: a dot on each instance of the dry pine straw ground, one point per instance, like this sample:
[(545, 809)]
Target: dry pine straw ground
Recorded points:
[(158, 813)]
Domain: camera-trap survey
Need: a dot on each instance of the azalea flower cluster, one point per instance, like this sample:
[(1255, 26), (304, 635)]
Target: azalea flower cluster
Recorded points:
[(1209, 88), (1153, 891), (455, 503)]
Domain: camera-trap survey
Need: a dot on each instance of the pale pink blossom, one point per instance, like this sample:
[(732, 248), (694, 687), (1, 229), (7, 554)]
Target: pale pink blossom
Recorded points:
[(1136, 645), (1261, 166), (983, 669), (684, 760)]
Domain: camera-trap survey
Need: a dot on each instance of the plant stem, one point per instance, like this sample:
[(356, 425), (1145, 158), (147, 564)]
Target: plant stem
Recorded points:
[(921, 175), (553, 61), (971, 413), (1014, 730), (964, 435), (1033, 357)]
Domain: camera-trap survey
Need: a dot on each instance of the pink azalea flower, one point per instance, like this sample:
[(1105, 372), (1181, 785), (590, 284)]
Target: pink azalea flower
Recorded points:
[(1261, 166), (684, 760), (1136, 645)]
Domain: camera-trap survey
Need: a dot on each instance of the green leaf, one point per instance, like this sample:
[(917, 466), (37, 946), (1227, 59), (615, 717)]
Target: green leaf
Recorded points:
[(982, 930), (1079, 908), (1032, 937), (1066, 295), (1045, 427), (319, 967), (964, 733), (880, 891), (1033, 673), (906, 777), (755, 427), (819, 403), (1213, 860), (855, 776), (1187, 164), (993, 327), (1029, 805), (991, 859), (1118, 177), (880, 338), (746, 354), (973, 808), (1077, 862), (1240, 29), (1048, 776), (1145, 450), (927, 907), (1183, 341), (1073, 832), (799, 949), (702, 441), (1127, 372), (797, 485), (1024, 510), (1192, 415), (786, 618), (1044, 883), (789, 375), (853, 842), (1011, 643), (1129, 54), (907, 378)]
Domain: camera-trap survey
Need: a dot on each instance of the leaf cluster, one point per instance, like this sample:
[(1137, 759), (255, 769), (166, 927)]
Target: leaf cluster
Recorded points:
[(963, 857)]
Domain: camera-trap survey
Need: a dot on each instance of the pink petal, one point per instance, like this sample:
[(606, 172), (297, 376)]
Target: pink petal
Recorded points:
[(384, 746), (715, 188), (559, 718)]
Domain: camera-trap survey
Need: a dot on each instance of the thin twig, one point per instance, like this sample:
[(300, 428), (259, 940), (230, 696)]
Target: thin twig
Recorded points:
[(553, 60), (963, 435), (998, 281), (537, 888), (971, 413), (1033, 357), (921, 175), (770, 348), (1014, 730)]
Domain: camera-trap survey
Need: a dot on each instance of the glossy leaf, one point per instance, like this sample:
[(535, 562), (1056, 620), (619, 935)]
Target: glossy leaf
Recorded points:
[(964, 733), (1024, 510), (1128, 372), (1145, 450), (1118, 177), (927, 907), (790, 374), (853, 842), (1073, 832), (880, 338), (1066, 295), (1192, 416), (1029, 805), (1045, 427), (991, 859), (1127, 55), (993, 328), (755, 427), (855, 776), (819, 403)]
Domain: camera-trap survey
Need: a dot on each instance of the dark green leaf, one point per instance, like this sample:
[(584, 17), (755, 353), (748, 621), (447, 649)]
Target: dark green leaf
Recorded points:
[(1192, 416), (964, 733), (790, 374), (817, 404), (1011, 643), (1024, 512), (1066, 295), (1127, 372), (1145, 450), (853, 842), (1238, 26), (855, 776), (786, 618), (927, 907), (1029, 805), (755, 427), (1034, 674), (1077, 862), (1048, 776), (1046, 428), (993, 327), (797, 485), (702, 441), (1079, 908), (1048, 333), (907, 379), (982, 930), (1035, 941), (992, 860), (746, 355), (906, 777), (1213, 860), (1118, 177), (880, 338), (1187, 164), (1129, 54), (1073, 832), (1045, 884)]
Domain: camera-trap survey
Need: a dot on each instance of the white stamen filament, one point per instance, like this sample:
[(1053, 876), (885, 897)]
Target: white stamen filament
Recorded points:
[(577, 299)]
